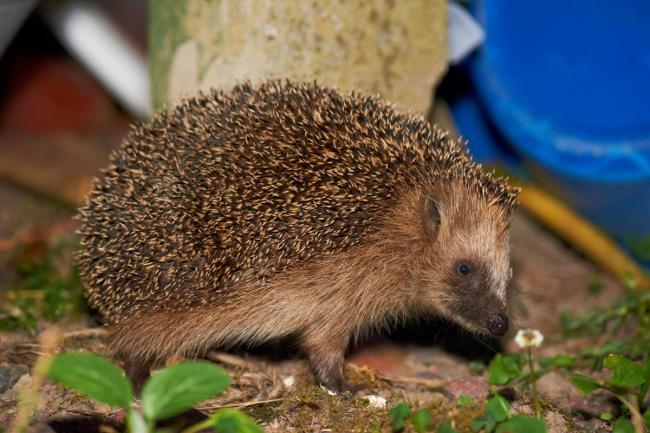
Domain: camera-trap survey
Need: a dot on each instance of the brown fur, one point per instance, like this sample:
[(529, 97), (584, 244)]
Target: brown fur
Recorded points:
[(354, 216)]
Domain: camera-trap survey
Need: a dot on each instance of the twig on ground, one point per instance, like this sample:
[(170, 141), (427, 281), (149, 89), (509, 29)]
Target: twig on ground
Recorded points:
[(86, 412), (85, 333), (232, 360), (432, 383), (209, 407)]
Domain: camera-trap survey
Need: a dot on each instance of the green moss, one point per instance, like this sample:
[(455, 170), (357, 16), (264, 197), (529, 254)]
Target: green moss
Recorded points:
[(314, 407), (165, 34), (264, 413), (46, 286)]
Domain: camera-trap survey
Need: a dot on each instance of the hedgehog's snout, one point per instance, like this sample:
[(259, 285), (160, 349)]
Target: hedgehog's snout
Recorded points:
[(497, 324)]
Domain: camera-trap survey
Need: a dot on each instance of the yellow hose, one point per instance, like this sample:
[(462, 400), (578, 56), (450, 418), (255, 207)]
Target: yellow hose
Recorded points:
[(582, 235)]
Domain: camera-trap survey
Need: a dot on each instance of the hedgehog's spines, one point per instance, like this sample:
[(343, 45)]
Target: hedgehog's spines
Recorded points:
[(241, 184)]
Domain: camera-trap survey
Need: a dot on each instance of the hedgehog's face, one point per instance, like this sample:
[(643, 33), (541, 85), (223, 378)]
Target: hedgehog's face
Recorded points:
[(466, 268)]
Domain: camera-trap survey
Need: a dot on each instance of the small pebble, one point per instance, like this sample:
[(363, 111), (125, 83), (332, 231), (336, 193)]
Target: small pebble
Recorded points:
[(376, 401), (9, 375), (289, 381)]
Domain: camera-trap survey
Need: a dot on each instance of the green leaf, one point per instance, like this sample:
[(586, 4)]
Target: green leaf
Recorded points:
[(502, 370), (92, 376), (476, 367), (478, 423), (490, 422), (398, 415), (606, 416), (625, 372), (445, 427), (646, 418), (465, 401), (585, 384), (623, 425), (522, 424), (643, 389), (563, 361), (421, 420), (175, 389), (228, 420), (498, 407)]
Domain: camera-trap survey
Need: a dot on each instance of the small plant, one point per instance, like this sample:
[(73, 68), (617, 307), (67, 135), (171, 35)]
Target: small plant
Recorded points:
[(497, 419), (529, 339), (465, 401), (477, 367), (630, 313), (421, 420), (627, 359), (402, 413), (629, 382), (504, 369), (167, 393), (624, 333)]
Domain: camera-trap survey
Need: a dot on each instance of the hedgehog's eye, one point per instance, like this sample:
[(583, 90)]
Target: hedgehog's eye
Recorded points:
[(464, 268)]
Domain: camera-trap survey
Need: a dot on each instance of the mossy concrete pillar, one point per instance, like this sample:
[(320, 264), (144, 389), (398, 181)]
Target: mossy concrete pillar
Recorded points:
[(395, 48)]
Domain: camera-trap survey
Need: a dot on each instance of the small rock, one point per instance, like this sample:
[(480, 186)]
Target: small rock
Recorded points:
[(473, 386), (565, 396), (9, 375), (558, 389), (593, 405), (10, 396)]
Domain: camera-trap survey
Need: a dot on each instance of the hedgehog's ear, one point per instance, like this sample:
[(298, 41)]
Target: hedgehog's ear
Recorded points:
[(430, 218)]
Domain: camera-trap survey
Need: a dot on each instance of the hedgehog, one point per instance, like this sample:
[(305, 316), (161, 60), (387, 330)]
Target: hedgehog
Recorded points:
[(290, 210)]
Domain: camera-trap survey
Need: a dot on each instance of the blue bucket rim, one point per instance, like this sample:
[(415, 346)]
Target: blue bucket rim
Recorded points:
[(560, 151)]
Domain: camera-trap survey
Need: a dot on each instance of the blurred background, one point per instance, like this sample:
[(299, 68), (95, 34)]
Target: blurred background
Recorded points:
[(553, 93)]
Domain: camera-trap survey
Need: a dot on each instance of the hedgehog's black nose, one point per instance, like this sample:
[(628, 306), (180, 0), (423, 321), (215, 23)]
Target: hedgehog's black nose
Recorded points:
[(497, 324)]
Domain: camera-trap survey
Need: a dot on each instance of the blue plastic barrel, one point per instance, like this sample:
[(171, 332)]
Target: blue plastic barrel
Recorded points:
[(567, 83)]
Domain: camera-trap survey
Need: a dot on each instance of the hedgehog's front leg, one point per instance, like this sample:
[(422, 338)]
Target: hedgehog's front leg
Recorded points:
[(326, 353)]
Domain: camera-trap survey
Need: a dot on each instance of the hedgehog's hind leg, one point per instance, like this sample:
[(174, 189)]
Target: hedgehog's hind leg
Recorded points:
[(326, 354), (138, 371), (138, 345)]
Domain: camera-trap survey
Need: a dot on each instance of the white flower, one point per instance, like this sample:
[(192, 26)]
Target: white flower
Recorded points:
[(526, 338), (376, 401)]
